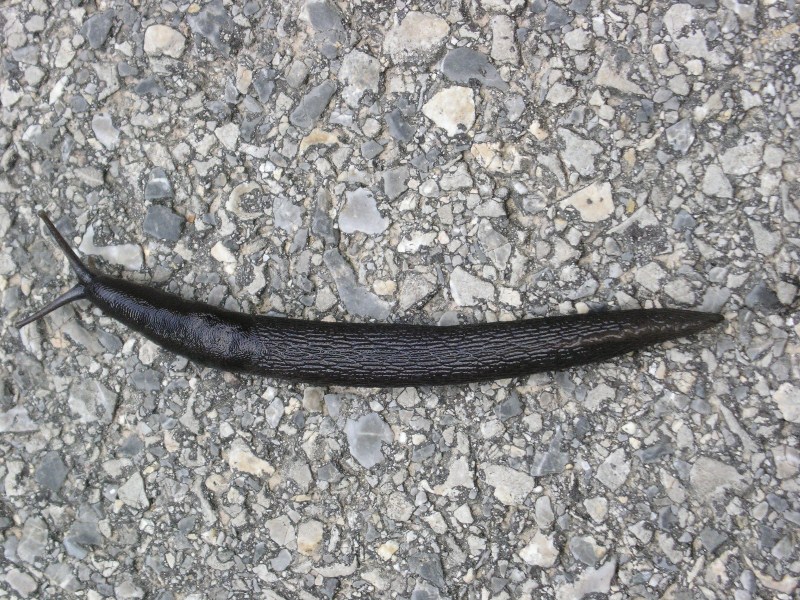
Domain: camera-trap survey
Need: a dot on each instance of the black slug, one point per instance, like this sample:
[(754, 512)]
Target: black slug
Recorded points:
[(370, 354)]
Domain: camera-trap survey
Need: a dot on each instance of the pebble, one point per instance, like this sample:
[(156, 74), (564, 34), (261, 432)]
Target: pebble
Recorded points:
[(33, 542), (132, 492), (511, 487), (360, 73), (395, 182), (97, 27), (241, 458), (504, 49), (365, 438), (417, 38), (594, 203), (787, 398), (51, 472), (680, 136), (330, 33), (743, 158), (128, 256), (360, 213), (214, 24), (399, 127), (104, 131), (357, 300), (21, 582), (710, 478), (452, 109), (309, 537), (591, 581), (158, 186), (541, 551), (312, 105), (163, 224), (91, 401), (162, 40), (462, 65), (467, 289), (579, 153), (614, 470)]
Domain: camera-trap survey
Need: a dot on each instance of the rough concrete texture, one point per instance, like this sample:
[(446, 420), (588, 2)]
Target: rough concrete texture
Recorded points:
[(432, 162)]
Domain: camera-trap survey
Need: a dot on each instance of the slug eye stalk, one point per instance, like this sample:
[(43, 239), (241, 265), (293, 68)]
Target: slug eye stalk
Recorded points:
[(85, 276)]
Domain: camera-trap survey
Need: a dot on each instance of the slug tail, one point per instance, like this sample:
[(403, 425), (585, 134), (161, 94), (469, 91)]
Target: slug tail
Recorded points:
[(80, 269), (76, 293)]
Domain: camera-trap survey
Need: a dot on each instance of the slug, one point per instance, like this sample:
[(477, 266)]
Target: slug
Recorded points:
[(369, 354)]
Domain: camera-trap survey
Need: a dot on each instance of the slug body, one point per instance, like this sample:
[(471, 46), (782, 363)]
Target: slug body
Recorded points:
[(371, 354)]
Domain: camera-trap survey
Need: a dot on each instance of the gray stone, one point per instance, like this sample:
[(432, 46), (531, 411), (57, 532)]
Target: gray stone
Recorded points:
[(591, 581), (681, 135), (163, 224), (146, 380), (329, 31), (34, 539), (132, 492), (97, 27), (394, 182), (761, 296), (264, 84), (84, 531), (158, 185), (614, 470), (321, 222), (417, 38), (357, 300), (744, 158), (312, 105), (371, 149), (583, 549), (555, 17), (274, 413), (104, 131), (61, 575), (282, 561), (509, 408), (360, 73), (92, 401), (399, 127), (463, 65), (288, 216), (21, 582), (579, 153), (425, 591), (467, 289), (51, 472), (360, 213), (365, 438), (550, 461), (215, 25), (710, 478), (429, 567)]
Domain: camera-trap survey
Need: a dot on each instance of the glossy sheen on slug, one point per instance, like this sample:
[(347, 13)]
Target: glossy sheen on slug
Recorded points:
[(371, 354)]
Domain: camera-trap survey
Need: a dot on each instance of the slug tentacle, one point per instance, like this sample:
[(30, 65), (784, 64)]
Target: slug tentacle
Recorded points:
[(85, 276), (372, 354)]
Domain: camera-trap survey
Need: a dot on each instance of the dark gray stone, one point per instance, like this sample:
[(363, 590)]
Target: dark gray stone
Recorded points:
[(215, 25), (712, 539), (761, 296), (146, 380), (683, 221), (555, 17), (163, 224), (462, 65), (370, 149), (509, 408), (330, 33), (97, 28), (429, 567), (312, 105), (399, 127), (656, 452), (158, 185), (264, 84), (51, 472)]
